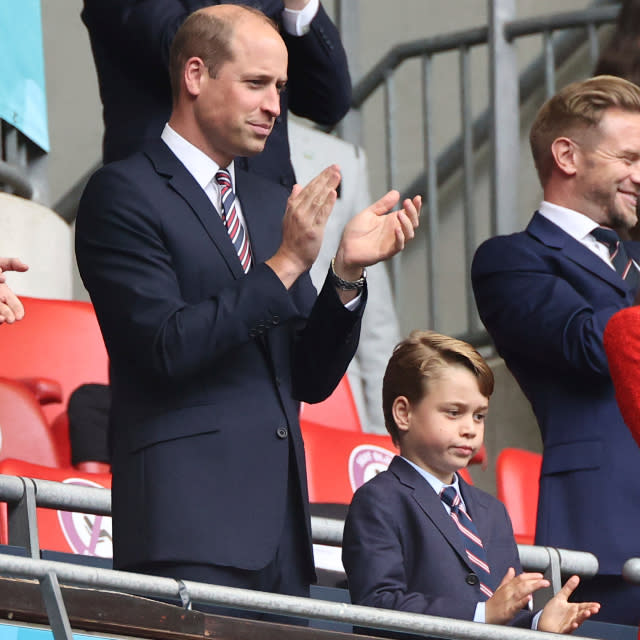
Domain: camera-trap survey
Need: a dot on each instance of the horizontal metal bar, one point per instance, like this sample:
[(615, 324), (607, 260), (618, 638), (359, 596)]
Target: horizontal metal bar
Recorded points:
[(557, 21), (17, 179), (536, 558), (425, 46), (262, 601), (58, 495)]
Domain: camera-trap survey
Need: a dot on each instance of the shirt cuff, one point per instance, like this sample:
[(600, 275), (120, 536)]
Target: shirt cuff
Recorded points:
[(353, 304), (297, 23), (536, 619), (480, 612)]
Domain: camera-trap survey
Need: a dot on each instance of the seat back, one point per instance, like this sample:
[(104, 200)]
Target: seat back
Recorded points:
[(339, 461), (338, 411), (57, 339), (517, 480), (59, 530), (24, 432)]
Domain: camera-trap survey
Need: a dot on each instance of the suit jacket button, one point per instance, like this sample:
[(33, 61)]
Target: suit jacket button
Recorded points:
[(282, 432), (275, 320), (472, 579)]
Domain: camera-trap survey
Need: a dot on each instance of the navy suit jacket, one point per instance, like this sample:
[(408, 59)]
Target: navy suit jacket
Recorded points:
[(130, 40), (545, 299), (207, 364), (402, 550)]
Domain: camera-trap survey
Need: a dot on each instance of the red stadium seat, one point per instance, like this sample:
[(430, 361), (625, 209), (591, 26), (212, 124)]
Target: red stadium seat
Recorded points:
[(58, 340), (24, 432), (517, 478), (338, 411), (55, 348), (339, 461), (63, 530)]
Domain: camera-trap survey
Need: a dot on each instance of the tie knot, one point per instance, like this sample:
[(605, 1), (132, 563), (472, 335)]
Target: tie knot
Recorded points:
[(450, 496), (606, 236), (223, 178)]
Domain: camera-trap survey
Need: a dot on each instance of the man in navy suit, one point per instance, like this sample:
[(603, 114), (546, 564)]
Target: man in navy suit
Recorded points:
[(210, 356), (404, 546), (545, 296), (137, 104)]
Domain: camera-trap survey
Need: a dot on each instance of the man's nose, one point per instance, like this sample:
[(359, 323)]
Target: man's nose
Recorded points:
[(272, 102)]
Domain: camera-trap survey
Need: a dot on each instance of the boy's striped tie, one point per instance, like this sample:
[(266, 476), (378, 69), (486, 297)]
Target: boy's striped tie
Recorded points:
[(471, 539)]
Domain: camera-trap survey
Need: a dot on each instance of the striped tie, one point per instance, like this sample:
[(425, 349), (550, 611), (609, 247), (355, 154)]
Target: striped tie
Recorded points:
[(618, 254), (232, 221), (470, 538)]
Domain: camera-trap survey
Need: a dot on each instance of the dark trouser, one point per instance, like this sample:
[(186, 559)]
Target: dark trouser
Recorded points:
[(286, 574), (620, 599)]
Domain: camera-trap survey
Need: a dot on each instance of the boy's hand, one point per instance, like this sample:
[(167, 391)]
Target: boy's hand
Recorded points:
[(561, 616), (512, 595)]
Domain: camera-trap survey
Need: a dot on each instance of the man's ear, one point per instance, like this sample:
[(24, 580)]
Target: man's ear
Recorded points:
[(401, 411), (565, 152), (195, 72)]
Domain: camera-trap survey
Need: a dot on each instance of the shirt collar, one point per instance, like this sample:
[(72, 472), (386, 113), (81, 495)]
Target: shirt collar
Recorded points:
[(435, 483), (574, 223), (197, 163)]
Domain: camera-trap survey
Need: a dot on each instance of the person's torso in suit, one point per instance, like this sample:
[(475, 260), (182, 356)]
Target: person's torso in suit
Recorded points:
[(545, 300), (207, 364)]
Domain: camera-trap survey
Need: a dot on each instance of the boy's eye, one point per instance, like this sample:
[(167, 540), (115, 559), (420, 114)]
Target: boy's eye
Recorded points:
[(453, 412), (480, 417)]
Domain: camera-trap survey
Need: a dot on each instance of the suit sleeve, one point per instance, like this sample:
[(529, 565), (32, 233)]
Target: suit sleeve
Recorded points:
[(319, 86), (373, 558), (165, 308), (529, 310)]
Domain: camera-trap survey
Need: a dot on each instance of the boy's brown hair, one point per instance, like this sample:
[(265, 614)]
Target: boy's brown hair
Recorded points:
[(420, 358)]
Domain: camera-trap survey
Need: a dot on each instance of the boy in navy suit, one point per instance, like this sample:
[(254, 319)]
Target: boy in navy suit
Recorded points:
[(418, 538)]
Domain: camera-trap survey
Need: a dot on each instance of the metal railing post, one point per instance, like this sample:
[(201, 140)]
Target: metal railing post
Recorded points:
[(505, 110), (54, 604), (22, 520)]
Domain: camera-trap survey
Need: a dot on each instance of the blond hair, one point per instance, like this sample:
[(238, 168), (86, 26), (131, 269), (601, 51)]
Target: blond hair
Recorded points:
[(577, 108)]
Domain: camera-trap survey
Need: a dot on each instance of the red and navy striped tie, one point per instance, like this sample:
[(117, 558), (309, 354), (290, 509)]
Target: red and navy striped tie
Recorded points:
[(470, 537), (232, 221), (621, 261)]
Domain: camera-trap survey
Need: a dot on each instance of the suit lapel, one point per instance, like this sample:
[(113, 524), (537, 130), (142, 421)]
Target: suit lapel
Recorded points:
[(554, 237), (430, 503), (264, 221), (183, 183)]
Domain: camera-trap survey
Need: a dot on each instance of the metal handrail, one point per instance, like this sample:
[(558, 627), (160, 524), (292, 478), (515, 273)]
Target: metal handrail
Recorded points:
[(17, 179), (69, 497), (128, 582)]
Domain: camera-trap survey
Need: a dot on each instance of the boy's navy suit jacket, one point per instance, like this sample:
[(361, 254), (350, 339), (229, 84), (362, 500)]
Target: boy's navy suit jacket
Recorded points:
[(403, 551)]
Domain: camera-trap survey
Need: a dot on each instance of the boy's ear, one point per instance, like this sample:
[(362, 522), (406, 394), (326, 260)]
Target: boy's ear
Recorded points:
[(401, 410)]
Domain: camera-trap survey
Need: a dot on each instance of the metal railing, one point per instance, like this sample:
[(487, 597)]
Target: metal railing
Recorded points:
[(23, 495), (49, 572), (22, 165)]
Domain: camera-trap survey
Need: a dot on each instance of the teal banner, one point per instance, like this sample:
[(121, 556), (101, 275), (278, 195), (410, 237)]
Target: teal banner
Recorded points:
[(26, 632), (23, 98)]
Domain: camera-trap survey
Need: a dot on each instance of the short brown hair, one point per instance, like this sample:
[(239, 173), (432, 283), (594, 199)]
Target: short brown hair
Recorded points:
[(208, 35), (420, 358), (576, 108)]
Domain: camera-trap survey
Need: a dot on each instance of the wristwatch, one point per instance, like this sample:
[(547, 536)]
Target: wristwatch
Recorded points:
[(347, 285)]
